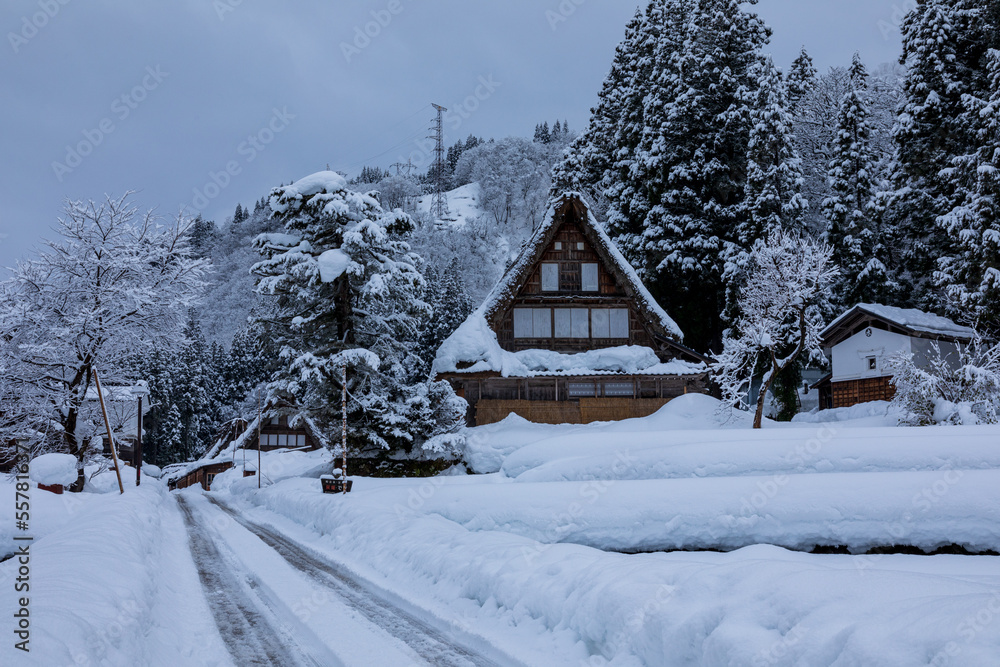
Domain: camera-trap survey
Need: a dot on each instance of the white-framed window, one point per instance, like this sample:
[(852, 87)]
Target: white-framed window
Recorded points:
[(588, 276), (619, 322), (532, 323), (550, 277), (580, 389), (600, 323)]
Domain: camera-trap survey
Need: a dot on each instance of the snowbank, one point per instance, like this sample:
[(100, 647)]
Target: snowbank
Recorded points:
[(487, 447), (99, 585), (758, 605), (874, 412), (53, 469)]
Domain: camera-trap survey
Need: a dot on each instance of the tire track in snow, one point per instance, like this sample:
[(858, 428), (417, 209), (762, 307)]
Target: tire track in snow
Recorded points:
[(249, 637), (427, 642)]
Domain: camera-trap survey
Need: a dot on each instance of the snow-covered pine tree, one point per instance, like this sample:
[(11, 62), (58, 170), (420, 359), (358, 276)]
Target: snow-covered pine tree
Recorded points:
[(452, 305), (682, 192), (347, 293), (801, 79), (773, 189), (853, 232), (589, 157), (970, 268), (942, 49)]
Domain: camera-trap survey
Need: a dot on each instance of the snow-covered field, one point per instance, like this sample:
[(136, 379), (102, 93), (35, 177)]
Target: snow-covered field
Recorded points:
[(535, 561)]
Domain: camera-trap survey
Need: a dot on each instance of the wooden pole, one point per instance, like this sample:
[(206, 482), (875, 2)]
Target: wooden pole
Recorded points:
[(260, 471), (107, 425), (343, 425)]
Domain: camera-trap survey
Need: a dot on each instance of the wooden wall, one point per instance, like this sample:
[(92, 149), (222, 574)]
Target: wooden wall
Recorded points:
[(852, 392), (583, 411)]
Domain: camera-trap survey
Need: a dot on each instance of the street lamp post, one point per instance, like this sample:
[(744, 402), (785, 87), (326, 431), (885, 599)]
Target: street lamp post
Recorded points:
[(140, 389)]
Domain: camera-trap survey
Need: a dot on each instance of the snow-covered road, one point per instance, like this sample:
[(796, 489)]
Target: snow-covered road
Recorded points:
[(297, 608), (250, 636)]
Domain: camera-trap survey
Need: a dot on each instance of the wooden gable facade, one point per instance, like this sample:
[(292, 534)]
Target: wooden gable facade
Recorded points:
[(572, 292)]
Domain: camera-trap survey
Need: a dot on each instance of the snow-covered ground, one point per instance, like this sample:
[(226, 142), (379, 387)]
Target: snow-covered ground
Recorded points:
[(534, 562)]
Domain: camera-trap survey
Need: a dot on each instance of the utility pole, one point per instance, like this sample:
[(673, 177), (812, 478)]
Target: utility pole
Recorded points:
[(439, 202)]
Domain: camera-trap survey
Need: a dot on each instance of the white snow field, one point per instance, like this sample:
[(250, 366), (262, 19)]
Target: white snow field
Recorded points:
[(567, 553)]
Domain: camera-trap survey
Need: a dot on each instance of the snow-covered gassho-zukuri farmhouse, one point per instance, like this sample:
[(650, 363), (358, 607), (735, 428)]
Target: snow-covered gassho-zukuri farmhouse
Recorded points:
[(569, 335)]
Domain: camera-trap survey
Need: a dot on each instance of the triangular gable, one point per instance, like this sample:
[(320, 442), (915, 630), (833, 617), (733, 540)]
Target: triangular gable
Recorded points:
[(570, 209)]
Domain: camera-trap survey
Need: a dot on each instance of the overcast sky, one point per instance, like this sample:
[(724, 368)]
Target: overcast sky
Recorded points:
[(206, 103)]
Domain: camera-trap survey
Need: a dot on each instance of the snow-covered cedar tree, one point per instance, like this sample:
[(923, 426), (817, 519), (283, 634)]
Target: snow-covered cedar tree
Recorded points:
[(348, 293), (801, 79), (960, 385), (780, 317), (115, 285), (970, 269), (944, 50), (677, 180), (773, 188), (852, 230)]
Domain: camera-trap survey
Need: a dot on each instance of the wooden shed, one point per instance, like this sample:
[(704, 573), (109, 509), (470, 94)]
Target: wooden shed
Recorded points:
[(569, 335), (202, 472)]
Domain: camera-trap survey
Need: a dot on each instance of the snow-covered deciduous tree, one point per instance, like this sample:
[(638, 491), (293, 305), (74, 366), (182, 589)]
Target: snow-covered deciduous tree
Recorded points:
[(957, 386), (513, 176), (115, 285), (347, 294), (780, 322), (970, 267)]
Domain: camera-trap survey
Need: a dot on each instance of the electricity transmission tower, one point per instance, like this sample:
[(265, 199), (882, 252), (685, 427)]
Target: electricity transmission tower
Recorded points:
[(439, 202), (404, 167)]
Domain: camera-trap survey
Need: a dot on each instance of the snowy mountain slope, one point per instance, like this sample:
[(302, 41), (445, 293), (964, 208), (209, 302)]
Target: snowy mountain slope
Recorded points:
[(463, 204)]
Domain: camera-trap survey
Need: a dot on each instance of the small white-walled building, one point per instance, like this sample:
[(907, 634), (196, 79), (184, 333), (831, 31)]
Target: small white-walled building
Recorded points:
[(860, 341)]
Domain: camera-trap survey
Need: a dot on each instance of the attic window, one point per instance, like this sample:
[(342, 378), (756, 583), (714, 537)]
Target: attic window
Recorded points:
[(872, 364), (589, 275), (558, 245), (550, 277), (579, 246)]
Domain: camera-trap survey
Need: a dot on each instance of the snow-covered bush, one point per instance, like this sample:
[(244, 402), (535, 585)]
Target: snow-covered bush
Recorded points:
[(958, 388)]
